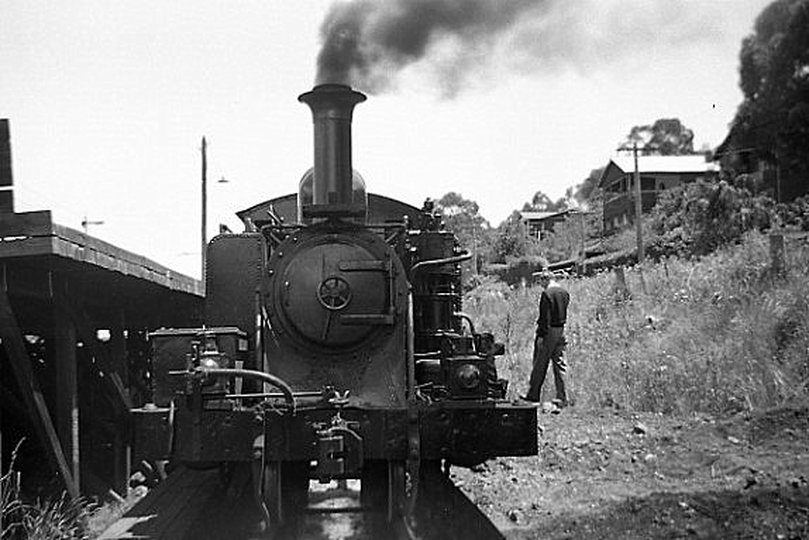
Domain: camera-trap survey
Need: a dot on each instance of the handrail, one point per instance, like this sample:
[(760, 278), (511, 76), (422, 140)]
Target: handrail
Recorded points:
[(464, 256)]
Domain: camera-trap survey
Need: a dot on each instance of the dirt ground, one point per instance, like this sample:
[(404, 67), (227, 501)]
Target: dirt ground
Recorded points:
[(614, 474)]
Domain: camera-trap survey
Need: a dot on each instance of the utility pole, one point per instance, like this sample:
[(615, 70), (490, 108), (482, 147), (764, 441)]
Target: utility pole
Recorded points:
[(204, 234), (583, 254), (475, 250), (86, 222), (638, 206), (777, 177)]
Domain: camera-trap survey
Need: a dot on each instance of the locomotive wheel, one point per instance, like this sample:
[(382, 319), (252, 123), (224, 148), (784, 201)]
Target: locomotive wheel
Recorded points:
[(286, 490), (383, 487)]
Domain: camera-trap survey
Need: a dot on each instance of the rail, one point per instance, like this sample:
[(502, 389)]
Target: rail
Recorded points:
[(196, 504)]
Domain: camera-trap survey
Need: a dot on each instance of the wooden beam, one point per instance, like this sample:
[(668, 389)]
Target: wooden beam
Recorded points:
[(86, 331), (29, 281), (67, 387), (121, 444), (118, 346), (70, 311), (12, 341)]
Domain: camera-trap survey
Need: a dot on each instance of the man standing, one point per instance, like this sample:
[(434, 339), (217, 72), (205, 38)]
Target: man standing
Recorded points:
[(549, 343)]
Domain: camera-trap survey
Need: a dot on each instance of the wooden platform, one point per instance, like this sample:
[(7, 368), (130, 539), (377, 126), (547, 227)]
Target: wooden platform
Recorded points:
[(170, 510)]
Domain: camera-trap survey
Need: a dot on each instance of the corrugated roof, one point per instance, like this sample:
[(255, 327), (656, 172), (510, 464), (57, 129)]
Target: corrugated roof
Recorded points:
[(665, 164), (539, 216)]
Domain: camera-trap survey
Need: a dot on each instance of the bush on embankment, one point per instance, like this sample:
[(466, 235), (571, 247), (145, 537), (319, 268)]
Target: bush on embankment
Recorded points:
[(717, 334)]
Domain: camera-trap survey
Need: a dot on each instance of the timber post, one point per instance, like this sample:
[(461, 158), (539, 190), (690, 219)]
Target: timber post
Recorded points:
[(777, 254), (67, 387), (32, 393), (121, 443)]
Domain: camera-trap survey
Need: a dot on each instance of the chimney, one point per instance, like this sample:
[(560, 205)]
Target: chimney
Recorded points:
[(332, 191)]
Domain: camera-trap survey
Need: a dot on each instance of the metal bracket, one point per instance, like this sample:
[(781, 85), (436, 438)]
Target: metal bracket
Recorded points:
[(339, 447)]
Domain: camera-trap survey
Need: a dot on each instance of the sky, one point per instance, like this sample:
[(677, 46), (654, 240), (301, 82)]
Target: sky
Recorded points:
[(494, 99)]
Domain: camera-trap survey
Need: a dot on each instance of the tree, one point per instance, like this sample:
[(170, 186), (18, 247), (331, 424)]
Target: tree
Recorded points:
[(570, 237), (583, 192), (666, 137), (512, 240), (542, 203), (772, 122), (461, 217)]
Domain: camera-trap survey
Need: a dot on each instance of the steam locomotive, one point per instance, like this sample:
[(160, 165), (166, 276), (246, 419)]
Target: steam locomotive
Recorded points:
[(334, 345)]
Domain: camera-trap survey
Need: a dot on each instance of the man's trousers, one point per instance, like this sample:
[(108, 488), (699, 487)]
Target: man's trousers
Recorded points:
[(547, 350)]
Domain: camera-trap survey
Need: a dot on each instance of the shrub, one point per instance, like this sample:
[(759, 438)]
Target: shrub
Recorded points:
[(518, 271), (697, 218)]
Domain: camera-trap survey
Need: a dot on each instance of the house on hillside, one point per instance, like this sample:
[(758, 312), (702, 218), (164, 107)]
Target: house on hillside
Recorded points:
[(538, 224), (657, 174)]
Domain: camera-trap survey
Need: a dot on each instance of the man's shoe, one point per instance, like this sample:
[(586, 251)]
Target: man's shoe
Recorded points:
[(526, 398)]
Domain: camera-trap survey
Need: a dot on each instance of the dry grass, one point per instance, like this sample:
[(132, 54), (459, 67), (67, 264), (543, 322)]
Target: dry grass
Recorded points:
[(56, 519), (720, 334), (11, 506)]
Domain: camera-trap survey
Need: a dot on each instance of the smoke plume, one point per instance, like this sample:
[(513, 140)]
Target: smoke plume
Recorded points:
[(368, 43)]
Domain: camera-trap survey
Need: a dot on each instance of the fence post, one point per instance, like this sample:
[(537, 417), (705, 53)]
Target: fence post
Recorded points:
[(777, 254), (621, 289)]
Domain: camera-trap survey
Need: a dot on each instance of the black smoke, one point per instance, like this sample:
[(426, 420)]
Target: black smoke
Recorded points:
[(367, 43)]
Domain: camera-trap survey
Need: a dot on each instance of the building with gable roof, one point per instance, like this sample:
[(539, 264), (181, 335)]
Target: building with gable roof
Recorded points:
[(657, 174), (539, 224)]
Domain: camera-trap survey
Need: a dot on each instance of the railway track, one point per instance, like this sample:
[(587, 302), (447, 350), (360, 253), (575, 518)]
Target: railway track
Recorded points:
[(199, 505)]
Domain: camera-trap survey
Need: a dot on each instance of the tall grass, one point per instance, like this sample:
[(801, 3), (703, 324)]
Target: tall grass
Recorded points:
[(55, 519), (10, 505), (719, 334)]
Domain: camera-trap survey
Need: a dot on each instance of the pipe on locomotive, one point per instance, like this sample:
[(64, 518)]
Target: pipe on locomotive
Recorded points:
[(269, 378), (332, 108)]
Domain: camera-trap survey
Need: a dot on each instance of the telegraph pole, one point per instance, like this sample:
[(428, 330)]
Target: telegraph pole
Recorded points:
[(777, 177), (583, 254), (638, 206), (86, 222), (204, 234)]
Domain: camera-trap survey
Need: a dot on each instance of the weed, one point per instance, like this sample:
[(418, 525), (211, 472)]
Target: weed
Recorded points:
[(60, 519), (11, 508)]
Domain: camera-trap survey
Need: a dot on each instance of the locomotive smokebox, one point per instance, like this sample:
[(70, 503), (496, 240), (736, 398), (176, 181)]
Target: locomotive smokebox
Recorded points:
[(332, 190)]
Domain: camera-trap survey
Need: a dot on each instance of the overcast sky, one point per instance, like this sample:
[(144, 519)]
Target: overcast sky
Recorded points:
[(108, 101)]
